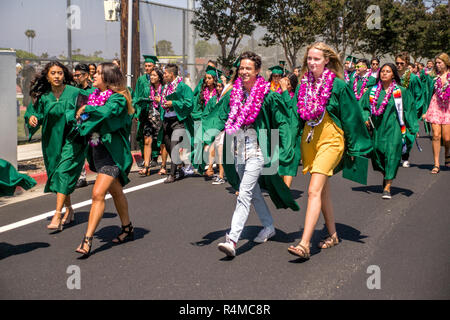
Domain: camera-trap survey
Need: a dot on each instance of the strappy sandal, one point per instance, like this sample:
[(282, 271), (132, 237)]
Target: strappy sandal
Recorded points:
[(80, 249), (328, 242), (300, 251), (144, 171), (58, 226), (162, 171), (128, 230), (435, 170)]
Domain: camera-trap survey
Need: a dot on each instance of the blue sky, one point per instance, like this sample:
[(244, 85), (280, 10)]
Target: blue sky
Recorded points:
[(48, 19)]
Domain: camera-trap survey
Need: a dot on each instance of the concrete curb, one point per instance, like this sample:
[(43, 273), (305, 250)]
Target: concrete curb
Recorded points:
[(41, 177)]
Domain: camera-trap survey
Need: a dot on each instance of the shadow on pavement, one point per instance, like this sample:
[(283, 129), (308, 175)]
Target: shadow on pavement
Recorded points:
[(7, 250), (379, 189), (107, 234)]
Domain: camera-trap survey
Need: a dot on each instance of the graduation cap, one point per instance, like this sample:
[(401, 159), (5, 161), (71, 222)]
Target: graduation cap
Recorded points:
[(277, 70), (214, 72), (282, 63), (151, 59)]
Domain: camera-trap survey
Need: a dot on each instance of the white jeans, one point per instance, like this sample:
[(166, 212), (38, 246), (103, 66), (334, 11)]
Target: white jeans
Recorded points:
[(249, 193)]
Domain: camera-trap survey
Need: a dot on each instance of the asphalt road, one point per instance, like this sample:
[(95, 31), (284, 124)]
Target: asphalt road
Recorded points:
[(178, 227)]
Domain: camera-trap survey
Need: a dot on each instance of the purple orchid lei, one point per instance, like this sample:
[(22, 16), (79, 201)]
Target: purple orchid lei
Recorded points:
[(245, 114), (97, 98), (359, 94), (207, 94), (373, 100), (442, 90), (168, 90), (313, 95)]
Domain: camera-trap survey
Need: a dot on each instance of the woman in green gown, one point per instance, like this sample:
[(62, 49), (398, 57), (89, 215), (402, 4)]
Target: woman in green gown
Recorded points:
[(390, 114), (333, 130), (108, 112), (62, 150), (204, 101)]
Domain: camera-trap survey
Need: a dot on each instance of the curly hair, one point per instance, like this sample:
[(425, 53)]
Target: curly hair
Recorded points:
[(40, 84)]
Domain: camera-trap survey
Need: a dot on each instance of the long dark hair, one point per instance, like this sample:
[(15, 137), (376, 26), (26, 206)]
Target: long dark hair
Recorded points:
[(394, 70), (160, 74), (201, 97), (293, 80), (40, 84), (115, 80)]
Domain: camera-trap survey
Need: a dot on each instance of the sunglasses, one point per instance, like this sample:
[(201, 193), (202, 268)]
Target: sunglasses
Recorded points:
[(400, 63)]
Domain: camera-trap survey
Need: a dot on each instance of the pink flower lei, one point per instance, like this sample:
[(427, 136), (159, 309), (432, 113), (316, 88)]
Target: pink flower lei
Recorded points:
[(359, 94), (245, 114), (209, 94), (168, 90), (98, 98), (442, 91), (153, 95), (313, 95), (374, 100)]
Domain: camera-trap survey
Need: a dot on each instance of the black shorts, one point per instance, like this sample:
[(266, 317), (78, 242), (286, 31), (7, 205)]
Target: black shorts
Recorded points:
[(103, 161)]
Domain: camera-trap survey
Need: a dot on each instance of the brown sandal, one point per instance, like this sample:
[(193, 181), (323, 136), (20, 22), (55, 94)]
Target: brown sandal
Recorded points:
[(328, 242), (435, 170), (299, 251)]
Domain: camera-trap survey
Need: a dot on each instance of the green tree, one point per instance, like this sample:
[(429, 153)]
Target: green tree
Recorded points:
[(342, 22), (226, 20), (164, 48), (291, 24), (378, 42), (437, 31)]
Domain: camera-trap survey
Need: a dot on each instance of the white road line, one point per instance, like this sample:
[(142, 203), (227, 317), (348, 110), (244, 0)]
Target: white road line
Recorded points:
[(43, 216)]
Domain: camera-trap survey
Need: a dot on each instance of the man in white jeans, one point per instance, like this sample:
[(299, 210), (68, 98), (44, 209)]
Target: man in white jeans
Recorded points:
[(249, 164)]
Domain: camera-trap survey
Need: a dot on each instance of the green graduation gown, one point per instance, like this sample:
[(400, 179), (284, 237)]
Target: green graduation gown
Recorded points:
[(370, 83), (182, 104), (113, 123), (291, 106), (63, 151), (418, 95), (273, 115), (387, 136), (10, 179), (141, 104)]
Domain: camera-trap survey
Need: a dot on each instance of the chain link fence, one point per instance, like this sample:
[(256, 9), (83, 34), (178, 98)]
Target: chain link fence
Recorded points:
[(79, 27)]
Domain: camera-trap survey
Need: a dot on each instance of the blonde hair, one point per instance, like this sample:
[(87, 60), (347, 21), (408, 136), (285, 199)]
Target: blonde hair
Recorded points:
[(334, 63), (445, 58)]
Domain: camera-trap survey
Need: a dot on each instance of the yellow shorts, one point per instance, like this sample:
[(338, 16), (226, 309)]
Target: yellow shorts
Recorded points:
[(324, 152)]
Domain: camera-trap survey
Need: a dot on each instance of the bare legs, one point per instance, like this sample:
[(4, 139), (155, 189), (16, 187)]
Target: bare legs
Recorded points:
[(103, 184), (438, 132), (61, 201), (319, 199)]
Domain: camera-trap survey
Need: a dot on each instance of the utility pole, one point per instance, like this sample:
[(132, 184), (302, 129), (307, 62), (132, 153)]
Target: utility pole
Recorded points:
[(129, 49), (191, 43), (69, 37)]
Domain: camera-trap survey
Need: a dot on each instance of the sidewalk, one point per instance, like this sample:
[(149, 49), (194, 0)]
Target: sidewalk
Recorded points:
[(29, 151)]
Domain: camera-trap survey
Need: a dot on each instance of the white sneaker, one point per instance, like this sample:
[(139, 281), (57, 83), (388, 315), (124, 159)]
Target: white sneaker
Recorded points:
[(228, 247), (406, 164), (265, 234)]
